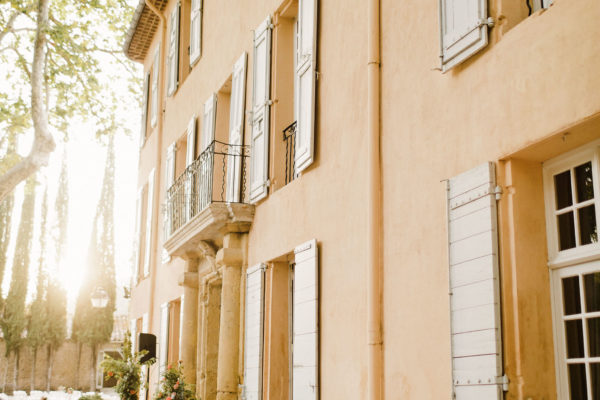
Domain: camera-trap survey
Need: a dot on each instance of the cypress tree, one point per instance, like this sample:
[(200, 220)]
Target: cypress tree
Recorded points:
[(93, 327), (37, 326), (13, 320), (56, 310)]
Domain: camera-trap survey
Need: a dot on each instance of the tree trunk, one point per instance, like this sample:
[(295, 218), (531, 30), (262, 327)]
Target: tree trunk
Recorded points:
[(78, 365), (94, 360), (43, 142), (33, 361), (16, 370), (49, 362), (5, 374)]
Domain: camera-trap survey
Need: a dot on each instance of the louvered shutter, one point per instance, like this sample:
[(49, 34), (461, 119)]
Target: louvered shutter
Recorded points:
[(189, 159), (138, 231), (208, 121), (305, 357), (173, 58), (169, 180), (464, 30), (253, 340), (236, 129), (133, 331), (144, 377), (195, 31), (474, 286), (305, 83), (154, 94), (164, 337), (261, 105), (149, 220), (144, 124)]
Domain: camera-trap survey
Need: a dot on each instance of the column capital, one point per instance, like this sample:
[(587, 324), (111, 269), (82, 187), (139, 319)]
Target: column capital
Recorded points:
[(230, 257), (188, 279)]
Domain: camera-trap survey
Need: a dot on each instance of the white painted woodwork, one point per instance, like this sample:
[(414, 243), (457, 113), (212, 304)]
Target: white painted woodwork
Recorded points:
[(305, 338), (154, 89), (236, 129), (191, 142), (144, 124), (149, 223), (195, 31), (138, 233), (474, 300), (163, 347), (208, 122), (261, 106), (463, 30), (173, 55), (305, 84), (170, 165), (253, 339)]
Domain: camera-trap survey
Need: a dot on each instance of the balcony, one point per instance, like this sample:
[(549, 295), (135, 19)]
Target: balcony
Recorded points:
[(208, 198)]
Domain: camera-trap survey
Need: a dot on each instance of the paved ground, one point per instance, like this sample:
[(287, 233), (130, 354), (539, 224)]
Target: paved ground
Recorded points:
[(56, 395)]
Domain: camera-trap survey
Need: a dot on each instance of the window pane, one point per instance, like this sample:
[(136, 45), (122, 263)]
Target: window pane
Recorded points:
[(571, 295), (584, 182), (574, 338), (587, 225), (594, 336), (566, 231), (595, 375), (562, 184), (577, 383), (592, 292)]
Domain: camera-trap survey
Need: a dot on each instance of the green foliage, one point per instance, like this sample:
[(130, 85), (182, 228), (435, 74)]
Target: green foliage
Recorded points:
[(13, 321), (127, 371), (94, 326), (56, 309), (173, 386), (94, 396), (83, 38)]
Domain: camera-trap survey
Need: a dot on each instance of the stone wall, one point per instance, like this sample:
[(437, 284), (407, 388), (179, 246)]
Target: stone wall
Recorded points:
[(64, 370)]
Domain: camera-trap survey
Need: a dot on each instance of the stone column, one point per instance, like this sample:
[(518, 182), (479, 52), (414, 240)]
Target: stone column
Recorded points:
[(189, 316), (230, 258)]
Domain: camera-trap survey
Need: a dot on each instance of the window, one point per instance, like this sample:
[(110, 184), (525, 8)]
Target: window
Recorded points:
[(571, 196), (173, 51), (154, 90), (170, 326), (145, 210), (288, 287), (144, 124), (195, 31)]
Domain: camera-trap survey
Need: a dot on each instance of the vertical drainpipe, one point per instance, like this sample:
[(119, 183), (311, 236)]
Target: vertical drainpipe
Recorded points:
[(374, 334), (158, 169)]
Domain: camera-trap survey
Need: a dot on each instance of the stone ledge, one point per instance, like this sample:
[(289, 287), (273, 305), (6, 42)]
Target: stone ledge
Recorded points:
[(210, 225)]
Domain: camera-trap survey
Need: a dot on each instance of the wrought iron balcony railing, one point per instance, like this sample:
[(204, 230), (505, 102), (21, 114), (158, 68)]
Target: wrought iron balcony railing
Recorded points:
[(289, 137), (218, 175)]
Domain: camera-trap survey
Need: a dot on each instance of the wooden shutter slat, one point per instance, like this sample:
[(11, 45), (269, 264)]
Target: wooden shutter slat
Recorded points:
[(164, 337), (208, 121), (144, 124), (253, 339), (195, 31), (259, 169), (236, 129), (474, 285), (154, 94), (174, 50)]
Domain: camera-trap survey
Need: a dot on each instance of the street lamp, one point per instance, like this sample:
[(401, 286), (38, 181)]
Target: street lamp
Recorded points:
[(99, 297)]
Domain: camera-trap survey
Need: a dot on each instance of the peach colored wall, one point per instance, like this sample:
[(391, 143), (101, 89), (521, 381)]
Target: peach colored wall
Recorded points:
[(534, 81)]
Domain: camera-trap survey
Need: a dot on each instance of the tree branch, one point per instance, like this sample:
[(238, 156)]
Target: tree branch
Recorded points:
[(9, 25), (43, 143)]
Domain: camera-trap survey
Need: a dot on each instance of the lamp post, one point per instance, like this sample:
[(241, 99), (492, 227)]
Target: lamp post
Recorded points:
[(99, 297)]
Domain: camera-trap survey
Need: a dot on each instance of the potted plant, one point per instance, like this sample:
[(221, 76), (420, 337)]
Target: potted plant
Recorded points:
[(173, 386)]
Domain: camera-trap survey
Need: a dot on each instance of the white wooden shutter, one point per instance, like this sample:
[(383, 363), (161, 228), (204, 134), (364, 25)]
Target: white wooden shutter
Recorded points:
[(474, 287), (173, 55), (236, 129), (305, 357), (261, 105), (164, 338), (144, 124), (191, 142), (144, 376), (138, 232), (209, 121), (149, 221), (464, 30), (305, 84), (132, 330), (253, 340), (195, 31), (154, 89), (169, 180)]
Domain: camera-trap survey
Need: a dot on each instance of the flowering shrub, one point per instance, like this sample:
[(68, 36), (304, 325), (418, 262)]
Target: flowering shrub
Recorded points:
[(172, 386), (127, 371)]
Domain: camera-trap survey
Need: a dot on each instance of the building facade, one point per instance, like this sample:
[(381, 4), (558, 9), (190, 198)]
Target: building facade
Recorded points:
[(370, 200)]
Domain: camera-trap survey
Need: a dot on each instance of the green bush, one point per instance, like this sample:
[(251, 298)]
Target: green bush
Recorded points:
[(94, 396)]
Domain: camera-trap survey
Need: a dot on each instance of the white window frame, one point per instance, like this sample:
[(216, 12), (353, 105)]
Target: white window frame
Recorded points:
[(557, 258), (579, 260)]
